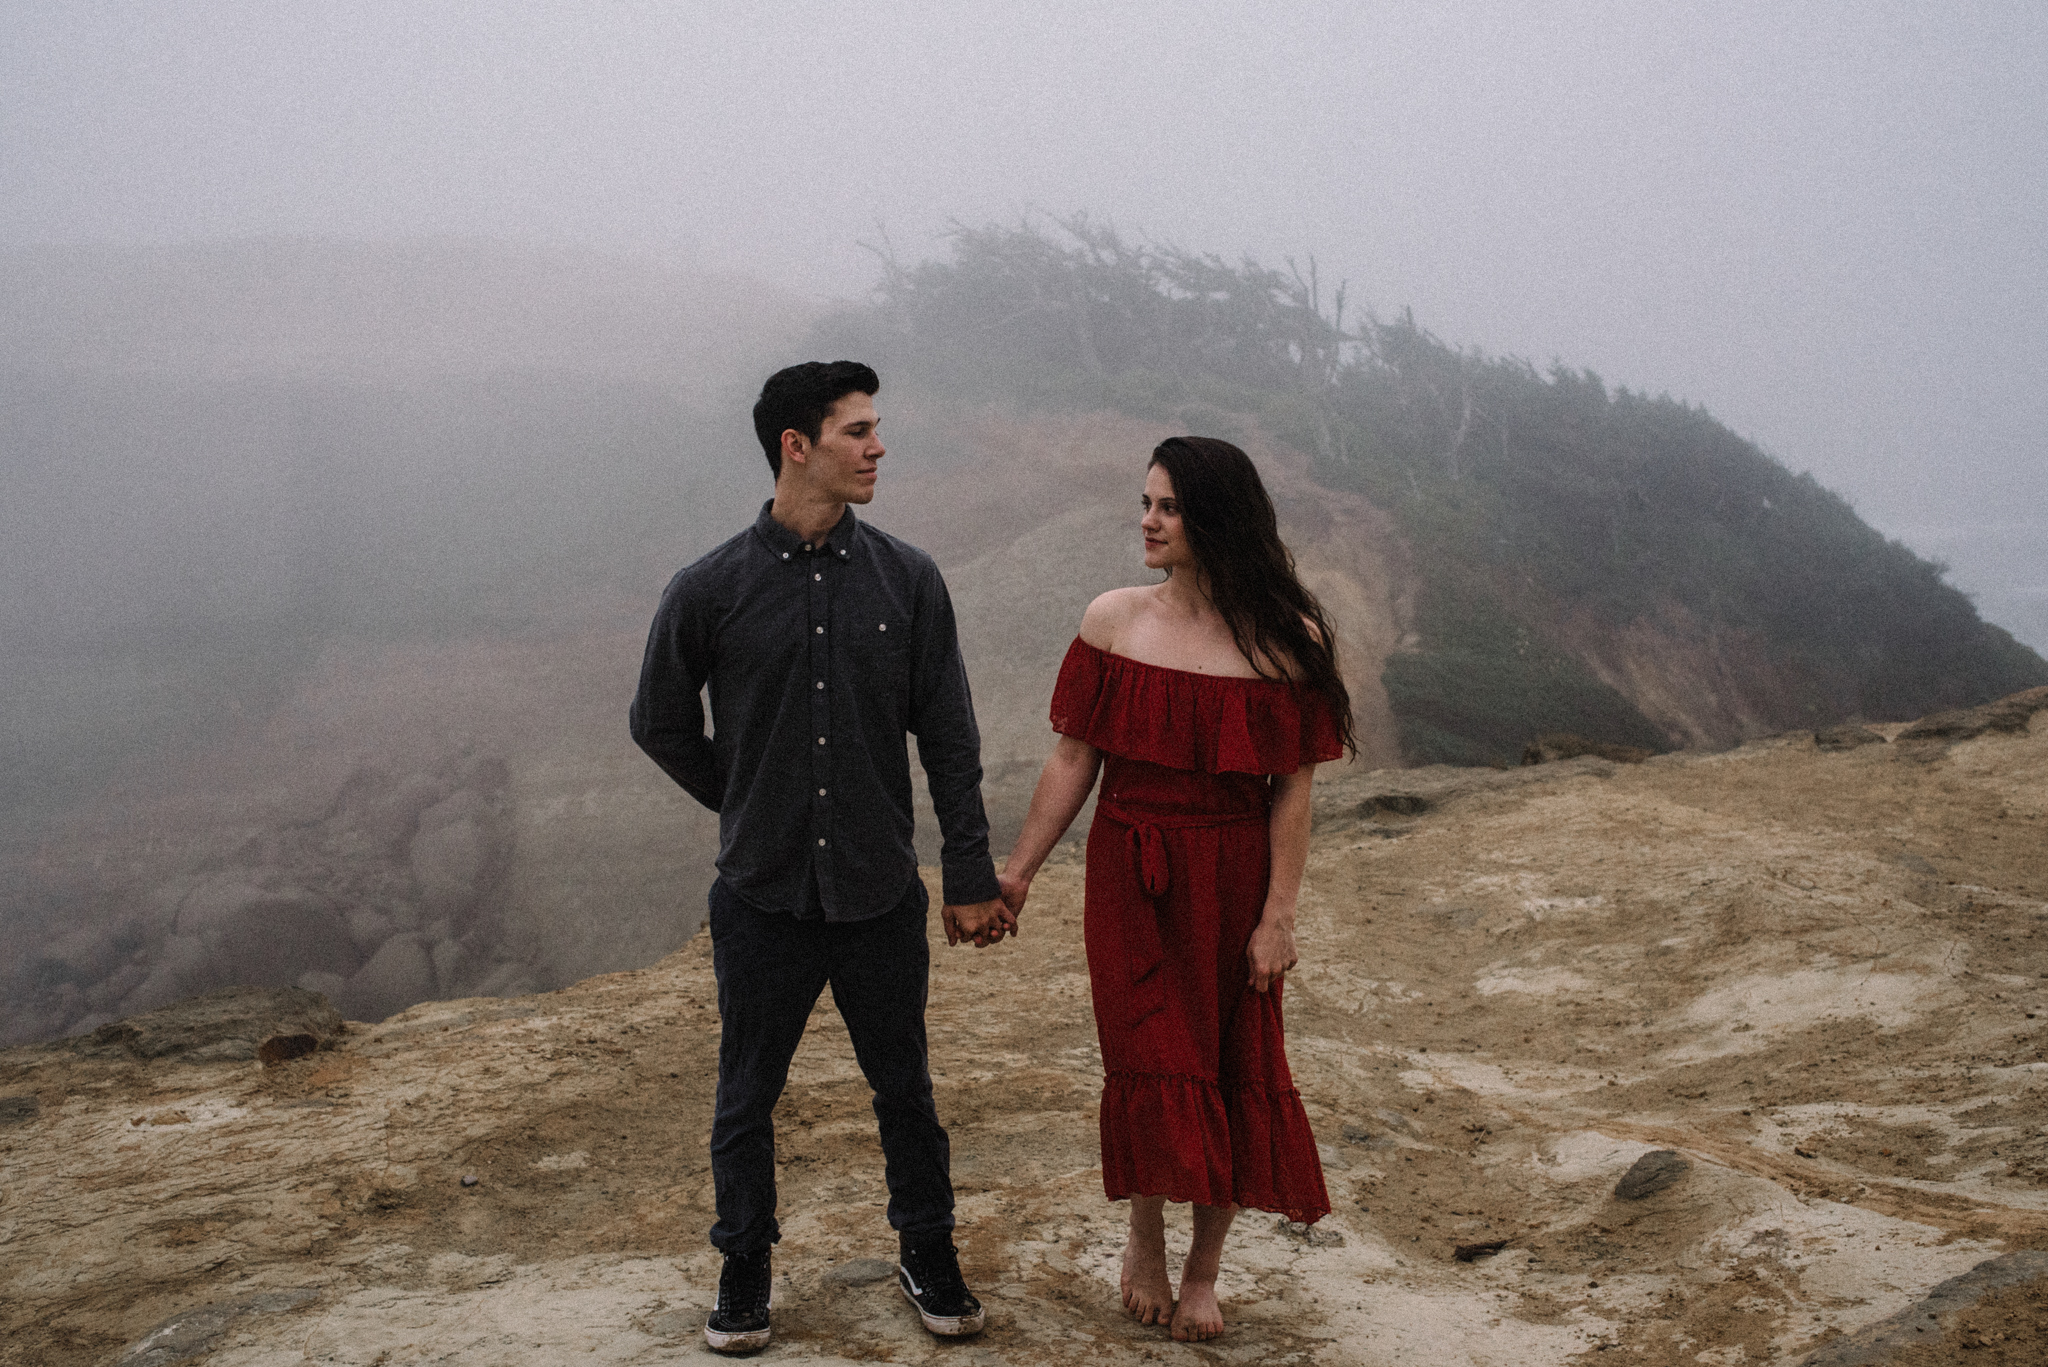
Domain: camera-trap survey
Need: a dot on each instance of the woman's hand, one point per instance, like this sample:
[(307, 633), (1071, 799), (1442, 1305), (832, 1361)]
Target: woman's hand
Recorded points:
[(1014, 890), (1271, 952)]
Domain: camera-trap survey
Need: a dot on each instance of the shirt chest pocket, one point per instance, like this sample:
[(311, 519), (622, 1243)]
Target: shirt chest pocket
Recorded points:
[(881, 655)]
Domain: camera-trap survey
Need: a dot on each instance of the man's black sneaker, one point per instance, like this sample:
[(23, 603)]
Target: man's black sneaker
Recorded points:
[(930, 1276), (740, 1323)]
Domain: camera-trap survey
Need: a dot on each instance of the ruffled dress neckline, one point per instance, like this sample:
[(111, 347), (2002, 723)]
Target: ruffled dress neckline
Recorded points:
[(1184, 719)]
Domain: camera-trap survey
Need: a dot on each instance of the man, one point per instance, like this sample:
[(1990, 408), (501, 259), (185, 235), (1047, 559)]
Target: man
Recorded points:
[(824, 642)]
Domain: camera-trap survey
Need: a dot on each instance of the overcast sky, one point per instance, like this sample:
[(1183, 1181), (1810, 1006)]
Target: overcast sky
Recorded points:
[(1823, 220)]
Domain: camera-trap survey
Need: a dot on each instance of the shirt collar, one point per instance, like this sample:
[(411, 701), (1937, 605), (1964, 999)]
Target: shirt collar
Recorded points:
[(787, 545)]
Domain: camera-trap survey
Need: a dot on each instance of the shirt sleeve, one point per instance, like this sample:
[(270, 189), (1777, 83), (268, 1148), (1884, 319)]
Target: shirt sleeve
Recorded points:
[(949, 745), (667, 715)]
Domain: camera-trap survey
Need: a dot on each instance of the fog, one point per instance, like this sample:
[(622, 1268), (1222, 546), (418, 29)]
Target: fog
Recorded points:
[(336, 339)]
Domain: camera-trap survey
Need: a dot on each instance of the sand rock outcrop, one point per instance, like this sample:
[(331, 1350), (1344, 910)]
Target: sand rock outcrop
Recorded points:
[(220, 1027), (1811, 985)]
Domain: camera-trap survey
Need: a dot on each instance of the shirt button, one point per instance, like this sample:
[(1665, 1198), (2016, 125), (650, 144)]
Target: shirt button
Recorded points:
[(821, 840), (807, 545), (817, 576), (821, 792), (885, 626), (821, 740), (821, 683), (785, 555), (821, 631)]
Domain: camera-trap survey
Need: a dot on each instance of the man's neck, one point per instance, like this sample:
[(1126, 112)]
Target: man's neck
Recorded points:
[(808, 515)]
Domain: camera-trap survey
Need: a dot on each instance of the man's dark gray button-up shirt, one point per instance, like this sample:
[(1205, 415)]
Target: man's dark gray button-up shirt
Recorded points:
[(820, 658)]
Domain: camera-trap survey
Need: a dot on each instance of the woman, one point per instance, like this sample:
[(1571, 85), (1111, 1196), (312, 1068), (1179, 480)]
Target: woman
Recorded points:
[(1206, 701)]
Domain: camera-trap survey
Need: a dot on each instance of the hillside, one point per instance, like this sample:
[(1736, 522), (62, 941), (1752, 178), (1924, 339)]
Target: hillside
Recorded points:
[(1819, 976), (330, 564), (1587, 560)]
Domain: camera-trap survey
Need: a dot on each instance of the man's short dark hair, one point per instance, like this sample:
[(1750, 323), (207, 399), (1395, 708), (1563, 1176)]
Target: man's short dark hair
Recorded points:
[(801, 396)]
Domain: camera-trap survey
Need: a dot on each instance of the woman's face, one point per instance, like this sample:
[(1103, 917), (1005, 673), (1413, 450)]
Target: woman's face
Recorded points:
[(1166, 540)]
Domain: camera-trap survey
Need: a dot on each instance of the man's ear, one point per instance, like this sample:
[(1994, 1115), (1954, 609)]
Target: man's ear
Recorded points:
[(795, 446)]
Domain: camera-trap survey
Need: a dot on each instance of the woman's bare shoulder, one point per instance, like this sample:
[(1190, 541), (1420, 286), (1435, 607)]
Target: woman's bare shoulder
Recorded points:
[(1110, 613), (1283, 661)]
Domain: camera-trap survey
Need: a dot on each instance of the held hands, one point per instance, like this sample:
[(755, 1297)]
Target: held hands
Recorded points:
[(1271, 952), (985, 923)]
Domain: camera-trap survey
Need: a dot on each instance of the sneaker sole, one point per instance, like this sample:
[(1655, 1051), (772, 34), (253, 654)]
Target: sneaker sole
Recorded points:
[(945, 1326), (751, 1341)]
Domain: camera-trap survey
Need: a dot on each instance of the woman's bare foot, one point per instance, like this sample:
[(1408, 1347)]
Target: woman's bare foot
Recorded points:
[(1148, 1295), (1198, 1317)]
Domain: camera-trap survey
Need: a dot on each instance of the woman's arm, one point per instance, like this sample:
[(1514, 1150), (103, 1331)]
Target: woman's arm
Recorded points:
[(1271, 951), (1063, 786)]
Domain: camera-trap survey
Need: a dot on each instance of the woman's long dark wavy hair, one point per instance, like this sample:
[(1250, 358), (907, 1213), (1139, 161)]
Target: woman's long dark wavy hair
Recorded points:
[(1235, 537)]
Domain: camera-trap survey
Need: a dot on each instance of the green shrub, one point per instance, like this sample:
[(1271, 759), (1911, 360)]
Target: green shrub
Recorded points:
[(1575, 496)]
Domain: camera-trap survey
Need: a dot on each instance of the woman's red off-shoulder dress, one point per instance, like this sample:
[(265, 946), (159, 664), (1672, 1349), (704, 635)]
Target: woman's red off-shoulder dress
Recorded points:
[(1197, 1102)]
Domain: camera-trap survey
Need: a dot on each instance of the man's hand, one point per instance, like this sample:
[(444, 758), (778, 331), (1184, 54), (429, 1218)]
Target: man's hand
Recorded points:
[(981, 922)]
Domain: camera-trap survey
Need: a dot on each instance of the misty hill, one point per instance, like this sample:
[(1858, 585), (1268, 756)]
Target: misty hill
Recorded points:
[(328, 568), (218, 457), (1585, 559)]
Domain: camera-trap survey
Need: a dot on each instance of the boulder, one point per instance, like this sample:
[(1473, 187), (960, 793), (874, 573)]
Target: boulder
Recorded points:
[(449, 959), (397, 975), (181, 969), (368, 929), (384, 812), (255, 935), (1651, 1173), (328, 985), (449, 862)]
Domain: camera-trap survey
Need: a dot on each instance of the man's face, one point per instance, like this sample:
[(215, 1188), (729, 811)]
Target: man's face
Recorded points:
[(841, 463)]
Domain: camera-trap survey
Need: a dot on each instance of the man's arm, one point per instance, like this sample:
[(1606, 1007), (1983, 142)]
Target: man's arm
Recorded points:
[(949, 748), (667, 716)]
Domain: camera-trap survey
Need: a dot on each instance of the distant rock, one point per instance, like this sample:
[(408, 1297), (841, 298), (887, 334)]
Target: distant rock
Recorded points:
[(1560, 745), (1394, 804), (2011, 713), (220, 1026), (1845, 737)]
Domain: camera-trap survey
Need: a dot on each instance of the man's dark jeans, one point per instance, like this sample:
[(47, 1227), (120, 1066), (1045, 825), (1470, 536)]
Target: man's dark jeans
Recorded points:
[(771, 968)]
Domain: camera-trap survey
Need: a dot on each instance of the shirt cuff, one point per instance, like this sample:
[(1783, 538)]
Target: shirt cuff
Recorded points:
[(972, 883)]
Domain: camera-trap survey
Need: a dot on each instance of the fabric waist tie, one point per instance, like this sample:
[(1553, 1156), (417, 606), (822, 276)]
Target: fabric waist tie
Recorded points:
[(1144, 944)]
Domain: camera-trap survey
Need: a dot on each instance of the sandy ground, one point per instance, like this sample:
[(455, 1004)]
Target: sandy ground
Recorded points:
[(1822, 978)]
